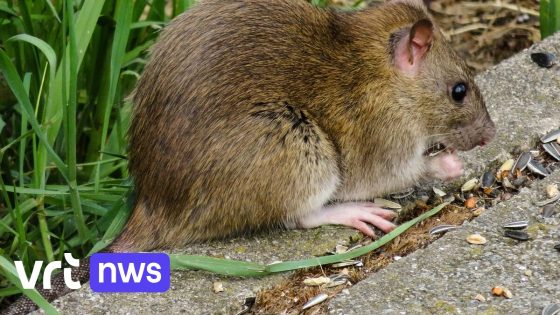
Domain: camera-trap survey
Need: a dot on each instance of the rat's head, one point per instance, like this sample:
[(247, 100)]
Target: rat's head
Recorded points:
[(438, 84)]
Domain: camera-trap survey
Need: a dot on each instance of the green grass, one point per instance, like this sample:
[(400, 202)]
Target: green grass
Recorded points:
[(67, 68), (549, 17)]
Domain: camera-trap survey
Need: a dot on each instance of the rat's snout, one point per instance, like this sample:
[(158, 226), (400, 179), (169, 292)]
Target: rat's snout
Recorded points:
[(480, 132), (488, 131)]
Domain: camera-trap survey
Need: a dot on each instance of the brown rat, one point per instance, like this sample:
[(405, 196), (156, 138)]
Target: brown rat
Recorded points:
[(252, 115)]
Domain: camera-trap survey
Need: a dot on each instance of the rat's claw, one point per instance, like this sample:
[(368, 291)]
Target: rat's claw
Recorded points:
[(356, 215)]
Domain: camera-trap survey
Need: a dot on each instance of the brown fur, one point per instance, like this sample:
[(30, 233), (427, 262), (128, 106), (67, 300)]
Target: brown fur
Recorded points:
[(250, 114)]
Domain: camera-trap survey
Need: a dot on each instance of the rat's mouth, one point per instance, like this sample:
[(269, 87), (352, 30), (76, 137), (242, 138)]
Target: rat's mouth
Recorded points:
[(437, 148)]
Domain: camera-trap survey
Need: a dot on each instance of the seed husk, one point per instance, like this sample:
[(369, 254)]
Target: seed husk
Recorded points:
[(516, 225), (442, 229), (320, 298), (557, 247), (439, 192), (551, 136), (543, 59), (537, 168), (469, 185), (315, 282), (548, 211), (346, 263), (522, 161), (507, 166), (547, 201), (476, 239), (552, 190), (507, 293), (551, 309), (402, 194), (520, 181), (506, 183), (384, 203), (480, 298), (488, 179), (551, 150), (517, 235)]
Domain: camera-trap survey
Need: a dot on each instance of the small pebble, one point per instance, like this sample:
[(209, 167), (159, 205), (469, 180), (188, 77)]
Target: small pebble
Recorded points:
[(480, 298), (552, 190), (528, 273), (218, 287)]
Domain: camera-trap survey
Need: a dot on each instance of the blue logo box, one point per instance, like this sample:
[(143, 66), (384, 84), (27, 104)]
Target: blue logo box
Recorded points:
[(129, 272)]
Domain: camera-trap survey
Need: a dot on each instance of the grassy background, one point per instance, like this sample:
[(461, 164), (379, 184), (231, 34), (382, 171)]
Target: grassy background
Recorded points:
[(67, 67)]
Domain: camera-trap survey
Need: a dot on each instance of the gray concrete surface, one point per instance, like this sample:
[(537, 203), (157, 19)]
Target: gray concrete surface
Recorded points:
[(524, 100)]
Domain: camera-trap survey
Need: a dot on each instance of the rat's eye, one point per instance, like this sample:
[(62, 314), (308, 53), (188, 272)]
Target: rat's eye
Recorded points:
[(458, 92)]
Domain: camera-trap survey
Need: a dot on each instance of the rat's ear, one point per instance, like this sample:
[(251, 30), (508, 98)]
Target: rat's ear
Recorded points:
[(408, 48)]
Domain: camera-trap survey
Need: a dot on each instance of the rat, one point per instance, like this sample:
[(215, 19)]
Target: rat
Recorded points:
[(253, 115)]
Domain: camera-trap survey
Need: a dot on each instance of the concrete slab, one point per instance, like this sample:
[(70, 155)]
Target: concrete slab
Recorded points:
[(524, 100)]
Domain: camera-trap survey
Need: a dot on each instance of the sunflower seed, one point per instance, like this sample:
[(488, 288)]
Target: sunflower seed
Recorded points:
[(552, 151), (384, 203), (488, 179), (537, 168), (315, 300), (551, 136), (548, 211), (442, 229), (543, 59), (522, 161), (336, 283), (551, 309), (516, 225), (557, 247), (517, 235), (249, 302), (547, 201), (469, 185), (439, 192)]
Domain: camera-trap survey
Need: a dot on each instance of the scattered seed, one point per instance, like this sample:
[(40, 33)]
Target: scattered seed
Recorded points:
[(315, 300), (551, 136), (383, 203), (552, 190), (507, 184), (469, 185), (537, 168), (476, 239), (522, 161), (439, 192), (346, 263), (517, 235), (315, 282), (488, 179), (507, 293), (478, 211), (336, 282), (249, 302), (403, 194), (551, 309), (448, 198), (551, 150), (480, 298), (543, 59), (516, 225), (507, 166), (440, 229), (497, 291), (218, 287), (471, 202), (339, 249), (547, 201)]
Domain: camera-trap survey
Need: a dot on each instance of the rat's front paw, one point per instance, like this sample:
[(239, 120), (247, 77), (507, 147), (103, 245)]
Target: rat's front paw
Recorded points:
[(446, 166)]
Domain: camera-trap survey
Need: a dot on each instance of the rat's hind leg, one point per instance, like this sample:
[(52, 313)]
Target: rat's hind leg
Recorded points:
[(353, 214)]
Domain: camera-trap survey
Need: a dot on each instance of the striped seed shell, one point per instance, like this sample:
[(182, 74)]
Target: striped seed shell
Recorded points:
[(543, 59), (487, 180), (439, 192), (384, 203), (551, 136), (517, 235), (551, 150), (551, 309), (522, 161), (537, 168), (320, 298), (442, 229), (516, 225)]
